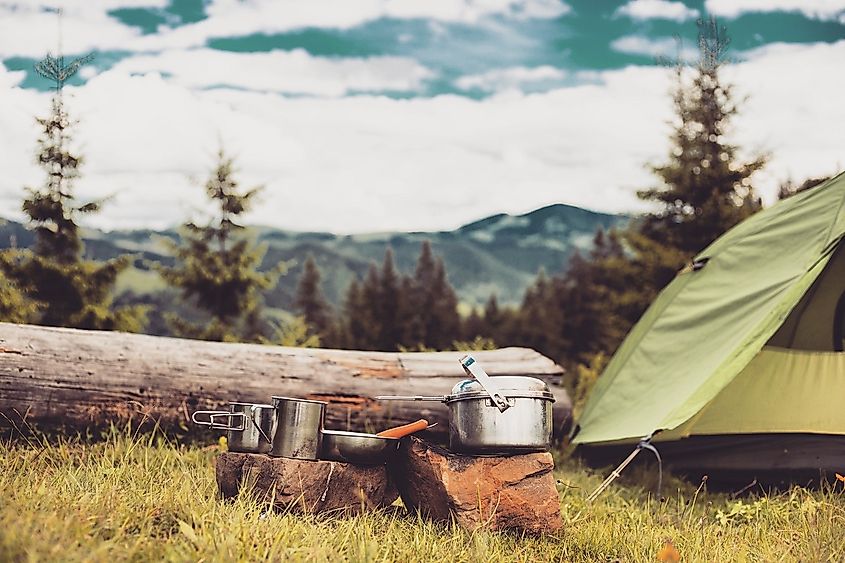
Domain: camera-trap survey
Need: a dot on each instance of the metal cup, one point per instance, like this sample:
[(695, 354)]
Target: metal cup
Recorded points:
[(298, 429), (249, 426)]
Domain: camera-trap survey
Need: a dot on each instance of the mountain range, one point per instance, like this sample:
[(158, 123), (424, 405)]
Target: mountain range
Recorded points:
[(500, 254)]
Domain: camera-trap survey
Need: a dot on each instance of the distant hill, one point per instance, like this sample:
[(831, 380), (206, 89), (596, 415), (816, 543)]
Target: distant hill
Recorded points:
[(500, 254)]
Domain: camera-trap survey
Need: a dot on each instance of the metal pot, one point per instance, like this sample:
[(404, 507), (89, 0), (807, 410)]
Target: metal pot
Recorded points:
[(249, 426), (496, 415), (476, 425), (298, 428), (356, 447)]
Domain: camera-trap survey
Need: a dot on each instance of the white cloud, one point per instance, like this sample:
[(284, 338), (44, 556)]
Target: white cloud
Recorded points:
[(74, 6), (657, 9), (27, 29), (281, 71), (510, 78), (369, 163), (653, 47), (31, 30), (788, 118), (240, 17), (819, 9)]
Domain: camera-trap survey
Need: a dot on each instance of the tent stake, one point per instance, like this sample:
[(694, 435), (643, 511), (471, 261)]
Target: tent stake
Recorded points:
[(645, 443)]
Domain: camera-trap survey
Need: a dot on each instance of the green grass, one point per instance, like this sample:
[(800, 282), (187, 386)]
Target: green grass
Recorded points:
[(145, 498)]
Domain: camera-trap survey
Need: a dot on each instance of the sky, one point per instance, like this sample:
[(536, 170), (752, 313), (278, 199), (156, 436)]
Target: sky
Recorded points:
[(407, 115)]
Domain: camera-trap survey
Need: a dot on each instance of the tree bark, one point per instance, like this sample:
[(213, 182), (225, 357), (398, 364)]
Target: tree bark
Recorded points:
[(78, 379)]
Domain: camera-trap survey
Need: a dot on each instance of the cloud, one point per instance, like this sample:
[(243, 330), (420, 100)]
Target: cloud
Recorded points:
[(368, 163), (293, 72), (228, 18), (657, 9), (510, 78), (788, 118), (31, 29), (653, 47), (71, 6), (818, 9)]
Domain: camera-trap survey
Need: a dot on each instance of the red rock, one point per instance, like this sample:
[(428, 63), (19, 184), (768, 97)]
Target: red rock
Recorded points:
[(305, 486), (498, 492)]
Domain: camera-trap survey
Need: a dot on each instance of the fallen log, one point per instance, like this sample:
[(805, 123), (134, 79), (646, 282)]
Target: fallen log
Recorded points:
[(78, 379)]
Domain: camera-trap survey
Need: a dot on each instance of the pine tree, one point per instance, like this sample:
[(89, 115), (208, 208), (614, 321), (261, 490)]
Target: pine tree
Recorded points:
[(591, 296), (538, 317), (369, 320), (354, 319), (310, 301), (445, 322), (497, 325), (789, 188), (492, 315), (408, 321), (436, 320), (705, 189), (217, 267), (389, 307), (474, 327), (415, 288), (15, 307), (68, 290)]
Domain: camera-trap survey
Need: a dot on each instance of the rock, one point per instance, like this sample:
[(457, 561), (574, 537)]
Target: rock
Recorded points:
[(514, 492), (306, 486)]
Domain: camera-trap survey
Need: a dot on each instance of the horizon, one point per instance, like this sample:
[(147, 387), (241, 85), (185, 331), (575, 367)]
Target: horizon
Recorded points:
[(248, 225), (403, 116)]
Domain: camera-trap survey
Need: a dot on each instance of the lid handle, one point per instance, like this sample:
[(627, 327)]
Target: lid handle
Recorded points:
[(473, 369)]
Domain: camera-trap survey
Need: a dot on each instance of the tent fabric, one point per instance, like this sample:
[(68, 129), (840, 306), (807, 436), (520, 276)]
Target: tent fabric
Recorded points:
[(812, 324), (789, 391), (708, 324)]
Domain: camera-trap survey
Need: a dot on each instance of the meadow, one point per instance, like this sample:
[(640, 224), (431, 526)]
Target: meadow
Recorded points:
[(145, 497)]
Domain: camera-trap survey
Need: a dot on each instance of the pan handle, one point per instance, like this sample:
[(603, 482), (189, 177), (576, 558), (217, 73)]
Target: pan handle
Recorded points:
[(439, 399), (404, 430), (219, 425)]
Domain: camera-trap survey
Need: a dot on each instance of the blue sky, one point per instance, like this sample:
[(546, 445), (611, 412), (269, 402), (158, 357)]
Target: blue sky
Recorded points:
[(405, 114)]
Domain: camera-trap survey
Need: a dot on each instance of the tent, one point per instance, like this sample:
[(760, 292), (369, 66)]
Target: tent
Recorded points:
[(738, 368)]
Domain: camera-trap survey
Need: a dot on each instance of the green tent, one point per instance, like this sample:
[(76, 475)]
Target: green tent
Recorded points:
[(738, 365)]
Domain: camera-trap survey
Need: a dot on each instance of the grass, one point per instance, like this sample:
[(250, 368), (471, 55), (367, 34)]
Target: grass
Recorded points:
[(146, 498)]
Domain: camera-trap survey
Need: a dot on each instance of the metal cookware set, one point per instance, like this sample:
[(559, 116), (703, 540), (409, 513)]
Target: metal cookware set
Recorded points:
[(487, 415), (292, 427)]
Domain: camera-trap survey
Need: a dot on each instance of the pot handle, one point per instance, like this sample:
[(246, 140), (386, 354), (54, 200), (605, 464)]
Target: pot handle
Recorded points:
[(439, 399), (219, 425), (475, 370)]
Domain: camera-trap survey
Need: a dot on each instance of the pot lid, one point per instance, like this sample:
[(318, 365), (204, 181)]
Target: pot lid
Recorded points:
[(507, 385)]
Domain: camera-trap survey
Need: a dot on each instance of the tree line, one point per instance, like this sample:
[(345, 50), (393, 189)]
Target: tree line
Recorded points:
[(578, 316)]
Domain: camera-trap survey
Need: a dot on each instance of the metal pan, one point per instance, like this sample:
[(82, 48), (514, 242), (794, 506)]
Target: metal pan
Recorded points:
[(356, 447)]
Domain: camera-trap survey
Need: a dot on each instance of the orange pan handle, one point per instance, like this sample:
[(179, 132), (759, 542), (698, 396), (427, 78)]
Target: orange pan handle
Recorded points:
[(404, 430)]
